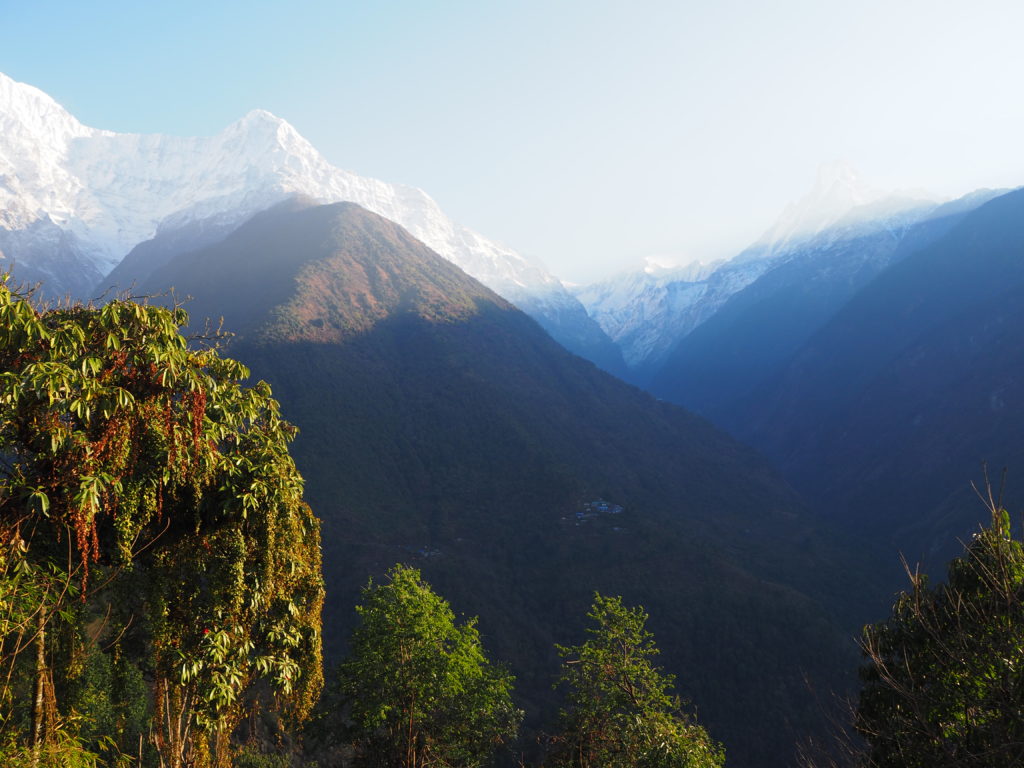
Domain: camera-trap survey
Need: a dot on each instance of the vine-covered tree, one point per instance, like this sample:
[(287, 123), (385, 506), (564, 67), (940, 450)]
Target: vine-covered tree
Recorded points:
[(417, 688), (160, 572), (620, 712), (943, 684)]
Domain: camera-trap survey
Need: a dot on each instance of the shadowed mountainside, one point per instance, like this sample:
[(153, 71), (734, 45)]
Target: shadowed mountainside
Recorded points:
[(729, 358), (442, 427), (885, 415)]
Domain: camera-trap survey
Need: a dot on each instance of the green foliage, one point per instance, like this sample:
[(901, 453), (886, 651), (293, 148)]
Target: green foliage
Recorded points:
[(620, 711), (944, 677), (418, 689), (248, 757), (63, 751), (141, 478)]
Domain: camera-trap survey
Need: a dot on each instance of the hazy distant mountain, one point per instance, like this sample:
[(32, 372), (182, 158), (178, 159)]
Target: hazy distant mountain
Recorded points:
[(648, 314), (75, 200), (839, 198), (885, 414), (644, 311), (757, 329), (440, 426)]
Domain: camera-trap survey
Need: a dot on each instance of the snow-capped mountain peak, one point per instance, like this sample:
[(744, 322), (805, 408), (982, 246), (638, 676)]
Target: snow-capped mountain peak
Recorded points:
[(839, 195), (28, 111), (261, 117), (648, 311), (842, 184), (260, 130), (838, 188), (668, 268), (75, 200), (114, 190)]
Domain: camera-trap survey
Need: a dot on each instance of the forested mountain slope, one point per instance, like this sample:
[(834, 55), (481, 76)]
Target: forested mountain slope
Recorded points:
[(885, 415), (442, 427), (754, 333)]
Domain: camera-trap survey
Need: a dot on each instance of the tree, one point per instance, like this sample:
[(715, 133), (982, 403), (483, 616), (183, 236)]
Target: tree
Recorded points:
[(417, 688), (153, 535), (943, 682), (620, 712)]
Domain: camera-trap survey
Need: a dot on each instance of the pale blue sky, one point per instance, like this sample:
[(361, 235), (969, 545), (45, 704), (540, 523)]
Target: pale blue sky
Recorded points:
[(586, 133)]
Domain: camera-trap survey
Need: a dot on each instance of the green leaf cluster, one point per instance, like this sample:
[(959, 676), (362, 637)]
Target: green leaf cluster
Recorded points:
[(620, 712), (943, 682), (150, 513), (417, 687)]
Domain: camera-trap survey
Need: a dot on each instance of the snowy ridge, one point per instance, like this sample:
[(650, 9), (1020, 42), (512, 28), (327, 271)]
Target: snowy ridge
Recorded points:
[(643, 311), (110, 191), (646, 312), (839, 202)]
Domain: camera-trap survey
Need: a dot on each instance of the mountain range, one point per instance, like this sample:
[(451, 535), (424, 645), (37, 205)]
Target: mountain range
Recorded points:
[(754, 331), (871, 352), (441, 426), (648, 313), (76, 201), (875, 360), (867, 349), (886, 413)]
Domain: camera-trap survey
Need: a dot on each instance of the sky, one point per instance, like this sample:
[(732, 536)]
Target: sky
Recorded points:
[(583, 133)]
